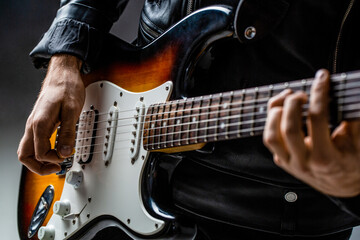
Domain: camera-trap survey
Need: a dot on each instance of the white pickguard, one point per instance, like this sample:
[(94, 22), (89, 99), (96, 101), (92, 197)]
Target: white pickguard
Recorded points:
[(114, 189)]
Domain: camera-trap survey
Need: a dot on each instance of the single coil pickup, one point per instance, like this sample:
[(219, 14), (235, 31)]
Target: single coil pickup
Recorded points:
[(112, 119), (85, 139)]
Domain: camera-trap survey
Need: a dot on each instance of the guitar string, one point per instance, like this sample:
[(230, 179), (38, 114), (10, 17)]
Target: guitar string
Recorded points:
[(206, 113), (188, 131), (338, 83), (196, 115), (242, 108), (252, 128), (209, 110), (230, 104), (227, 125), (214, 135)]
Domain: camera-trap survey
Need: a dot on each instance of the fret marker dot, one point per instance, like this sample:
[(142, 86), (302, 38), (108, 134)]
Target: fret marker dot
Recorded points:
[(194, 119), (153, 125), (222, 125), (178, 121), (225, 105), (261, 109), (164, 124)]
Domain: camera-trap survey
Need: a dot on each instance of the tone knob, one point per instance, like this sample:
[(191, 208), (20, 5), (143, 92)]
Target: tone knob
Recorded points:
[(46, 233), (62, 208), (74, 178)]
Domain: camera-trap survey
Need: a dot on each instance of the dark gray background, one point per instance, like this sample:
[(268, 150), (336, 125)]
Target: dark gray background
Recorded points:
[(22, 24)]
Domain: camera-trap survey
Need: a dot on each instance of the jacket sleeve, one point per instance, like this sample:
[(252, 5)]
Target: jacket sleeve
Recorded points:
[(78, 29)]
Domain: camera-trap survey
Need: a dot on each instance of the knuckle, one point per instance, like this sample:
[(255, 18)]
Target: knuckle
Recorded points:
[(271, 103), (293, 100), (71, 107), (288, 128), (270, 138), (39, 156), (21, 156), (39, 122), (315, 113)]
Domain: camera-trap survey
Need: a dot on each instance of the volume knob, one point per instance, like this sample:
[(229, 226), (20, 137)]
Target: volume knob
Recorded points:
[(74, 178), (46, 233), (62, 208)]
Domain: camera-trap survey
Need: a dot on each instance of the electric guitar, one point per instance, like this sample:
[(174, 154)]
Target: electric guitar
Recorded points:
[(127, 115)]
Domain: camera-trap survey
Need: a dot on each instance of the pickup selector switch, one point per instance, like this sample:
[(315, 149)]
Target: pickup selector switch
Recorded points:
[(74, 178), (62, 208)]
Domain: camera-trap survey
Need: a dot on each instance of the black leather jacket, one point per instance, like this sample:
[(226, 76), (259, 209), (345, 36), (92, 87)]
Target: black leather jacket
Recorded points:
[(236, 181)]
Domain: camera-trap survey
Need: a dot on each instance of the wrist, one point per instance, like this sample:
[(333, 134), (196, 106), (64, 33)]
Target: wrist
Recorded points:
[(65, 62)]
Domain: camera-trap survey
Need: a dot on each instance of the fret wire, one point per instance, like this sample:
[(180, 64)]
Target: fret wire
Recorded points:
[(254, 109), (241, 111), (191, 126), (197, 133), (208, 117), (227, 106), (217, 122), (176, 120), (162, 106), (181, 122), (189, 119)]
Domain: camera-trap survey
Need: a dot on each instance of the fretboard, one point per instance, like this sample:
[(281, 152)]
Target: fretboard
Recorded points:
[(237, 114)]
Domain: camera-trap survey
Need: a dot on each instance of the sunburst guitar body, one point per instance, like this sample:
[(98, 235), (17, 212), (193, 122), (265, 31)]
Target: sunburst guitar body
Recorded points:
[(103, 180)]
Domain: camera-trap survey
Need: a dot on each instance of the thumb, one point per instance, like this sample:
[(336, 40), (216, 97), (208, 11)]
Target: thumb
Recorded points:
[(66, 136)]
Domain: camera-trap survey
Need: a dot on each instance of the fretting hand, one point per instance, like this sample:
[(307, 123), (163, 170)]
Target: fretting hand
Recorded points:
[(329, 162)]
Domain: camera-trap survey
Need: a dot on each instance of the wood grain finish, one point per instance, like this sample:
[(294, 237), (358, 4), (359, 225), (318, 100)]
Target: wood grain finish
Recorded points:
[(138, 76), (31, 188)]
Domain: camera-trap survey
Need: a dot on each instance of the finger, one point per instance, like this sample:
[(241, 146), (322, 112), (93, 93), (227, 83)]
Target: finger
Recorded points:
[(346, 136), (43, 127), (272, 136), (66, 136), (291, 125), (353, 128), (278, 100), (318, 111), (26, 155)]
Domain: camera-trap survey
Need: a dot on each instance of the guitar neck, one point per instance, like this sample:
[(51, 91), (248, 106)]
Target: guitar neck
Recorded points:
[(237, 114)]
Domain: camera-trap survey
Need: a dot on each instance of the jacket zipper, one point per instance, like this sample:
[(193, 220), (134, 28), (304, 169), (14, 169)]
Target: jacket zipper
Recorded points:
[(338, 40), (148, 30), (190, 7)]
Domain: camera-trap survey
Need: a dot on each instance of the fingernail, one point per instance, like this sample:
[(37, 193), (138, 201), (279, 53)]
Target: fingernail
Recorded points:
[(320, 74), (65, 150)]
